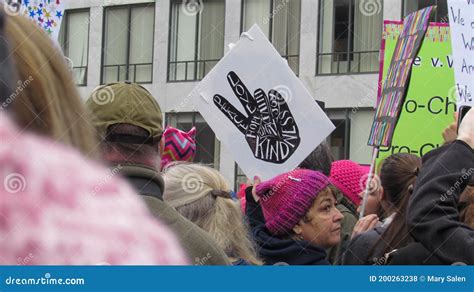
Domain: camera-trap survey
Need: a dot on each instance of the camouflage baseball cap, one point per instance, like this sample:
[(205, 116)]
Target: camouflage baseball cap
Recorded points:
[(125, 103)]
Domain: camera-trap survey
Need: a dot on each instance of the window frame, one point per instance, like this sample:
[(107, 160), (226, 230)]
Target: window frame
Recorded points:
[(66, 39), (196, 60), (435, 16), (346, 122), (129, 10), (318, 47), (270, 37), (237, 176)]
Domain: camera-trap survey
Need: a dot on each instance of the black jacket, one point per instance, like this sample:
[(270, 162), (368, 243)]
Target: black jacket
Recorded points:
[(361, 247), (274, 250), (433, 216), (413, 253)]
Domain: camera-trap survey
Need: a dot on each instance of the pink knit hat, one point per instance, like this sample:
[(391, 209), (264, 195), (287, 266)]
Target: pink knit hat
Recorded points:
[(350, 178), (179, 146), (286, 198)]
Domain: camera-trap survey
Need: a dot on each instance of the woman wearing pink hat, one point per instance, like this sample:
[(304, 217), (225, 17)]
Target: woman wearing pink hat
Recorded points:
[(300, 218)]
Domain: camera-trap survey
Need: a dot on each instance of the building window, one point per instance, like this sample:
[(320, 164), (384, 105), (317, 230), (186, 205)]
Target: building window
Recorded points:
[(74, 40), (240, 178), (441, 12), (207, 145), (349, 36), (128, 44), (339, 139), (280, 21), (196, 38)]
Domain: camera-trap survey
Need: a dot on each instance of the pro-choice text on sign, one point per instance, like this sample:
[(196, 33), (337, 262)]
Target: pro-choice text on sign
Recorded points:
[(259, 109), (431, 97), (461, 21)]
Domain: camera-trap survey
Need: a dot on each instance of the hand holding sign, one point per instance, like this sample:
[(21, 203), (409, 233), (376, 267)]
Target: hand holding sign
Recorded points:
[(269, 127)]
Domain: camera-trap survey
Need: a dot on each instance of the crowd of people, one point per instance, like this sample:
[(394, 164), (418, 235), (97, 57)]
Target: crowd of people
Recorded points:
[(105, 183)]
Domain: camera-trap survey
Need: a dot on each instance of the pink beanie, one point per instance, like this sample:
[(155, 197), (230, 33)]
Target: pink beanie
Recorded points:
[(286, 198), (350, 178), (179, 146)]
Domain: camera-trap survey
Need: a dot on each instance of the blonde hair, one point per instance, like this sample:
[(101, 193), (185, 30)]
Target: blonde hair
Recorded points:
[(46, 100), (190, 189)]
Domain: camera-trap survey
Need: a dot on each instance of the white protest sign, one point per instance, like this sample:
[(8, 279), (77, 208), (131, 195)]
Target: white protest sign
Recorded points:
[(259, 109), (461, 21)]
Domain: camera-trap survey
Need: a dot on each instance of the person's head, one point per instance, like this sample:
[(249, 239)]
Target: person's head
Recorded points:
[(397, 176), (301, 204), (374, 196), (350, 178), (201, 194), (128, 121), (45, 100), (179, 145), (319, 160)]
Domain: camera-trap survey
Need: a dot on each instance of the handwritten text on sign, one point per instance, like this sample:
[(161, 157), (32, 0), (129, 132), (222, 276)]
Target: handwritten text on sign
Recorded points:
[(461, 20)]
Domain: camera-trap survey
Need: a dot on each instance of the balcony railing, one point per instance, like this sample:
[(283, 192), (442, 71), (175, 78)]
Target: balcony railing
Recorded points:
[(189, 70), (138, 73), (347, 62)]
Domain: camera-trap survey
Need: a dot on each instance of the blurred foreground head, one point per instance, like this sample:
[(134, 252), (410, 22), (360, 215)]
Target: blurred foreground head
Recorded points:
[(7, 73), (45, 99)]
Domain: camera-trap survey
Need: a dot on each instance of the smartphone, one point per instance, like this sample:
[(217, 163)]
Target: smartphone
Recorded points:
[(462, 112)]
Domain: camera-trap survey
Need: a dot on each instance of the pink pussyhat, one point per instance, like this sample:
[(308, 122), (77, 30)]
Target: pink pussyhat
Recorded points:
[(350, 178), (286, 198), (179, 146)]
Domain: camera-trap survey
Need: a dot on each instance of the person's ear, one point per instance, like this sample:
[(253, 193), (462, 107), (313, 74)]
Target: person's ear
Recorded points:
[(381, 194), (297, 230)]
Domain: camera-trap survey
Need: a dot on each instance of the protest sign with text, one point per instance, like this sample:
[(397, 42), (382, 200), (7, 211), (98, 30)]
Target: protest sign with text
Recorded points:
[(259, 109), (461, 21)]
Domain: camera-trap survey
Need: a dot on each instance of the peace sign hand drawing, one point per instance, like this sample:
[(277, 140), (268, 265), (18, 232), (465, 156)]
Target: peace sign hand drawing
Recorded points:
[(269, 127)]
